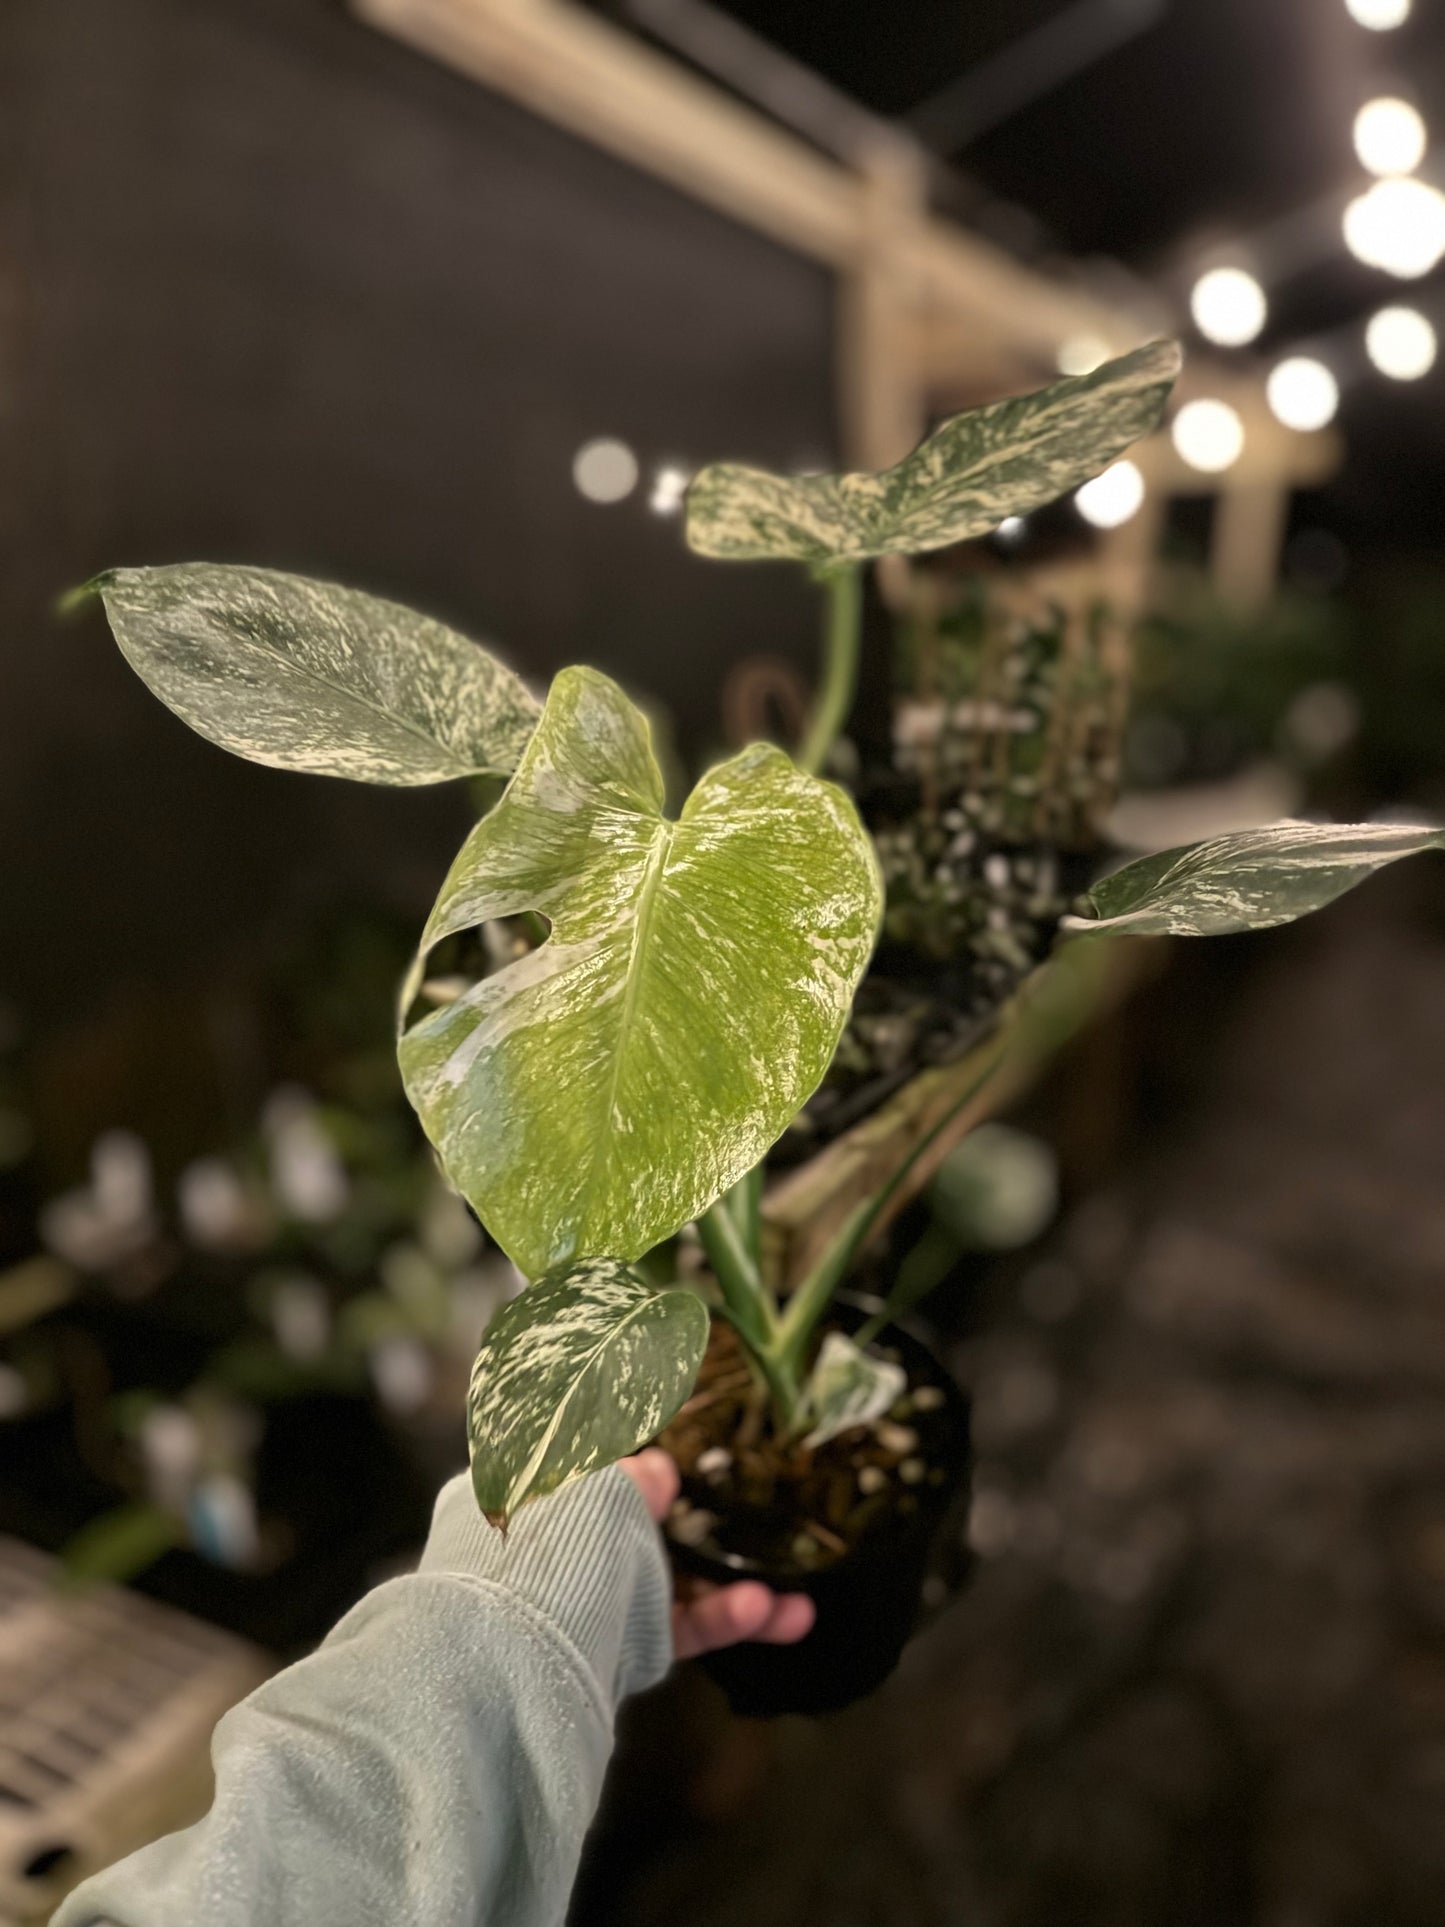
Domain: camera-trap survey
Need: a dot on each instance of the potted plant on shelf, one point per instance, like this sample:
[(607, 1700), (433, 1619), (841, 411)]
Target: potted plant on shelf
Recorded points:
[(654, 1000)]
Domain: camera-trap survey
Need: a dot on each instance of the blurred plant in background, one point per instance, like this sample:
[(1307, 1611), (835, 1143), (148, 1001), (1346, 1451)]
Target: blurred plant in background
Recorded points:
[(988, 818), (318, 1256), (1217, 689)]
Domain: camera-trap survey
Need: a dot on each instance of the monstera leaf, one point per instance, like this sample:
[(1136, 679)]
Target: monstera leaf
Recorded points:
[(848, 1387), (581, 1369), (303, 675), (1249, 880), (601, 1090), (989, 463)]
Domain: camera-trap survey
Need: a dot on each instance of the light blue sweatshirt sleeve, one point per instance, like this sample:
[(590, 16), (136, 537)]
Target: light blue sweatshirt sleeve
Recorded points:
[(439, 1757)]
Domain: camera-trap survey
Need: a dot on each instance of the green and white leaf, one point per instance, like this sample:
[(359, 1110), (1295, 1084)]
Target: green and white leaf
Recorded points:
[(1008, 458), (848, 1387), (582, 1368), (1248, 880), (599, 1092), (304, 675)]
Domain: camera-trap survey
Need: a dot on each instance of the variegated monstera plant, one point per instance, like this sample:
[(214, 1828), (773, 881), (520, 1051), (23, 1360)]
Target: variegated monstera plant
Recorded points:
[(688, 980)]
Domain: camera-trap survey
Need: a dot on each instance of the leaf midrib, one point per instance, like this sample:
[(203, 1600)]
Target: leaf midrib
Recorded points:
[(648, 895), (537, 1457)]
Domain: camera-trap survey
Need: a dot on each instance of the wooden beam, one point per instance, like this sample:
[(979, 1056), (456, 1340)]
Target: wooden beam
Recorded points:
[(602, 85), (885, 408), (1248, 534), (928, 312)]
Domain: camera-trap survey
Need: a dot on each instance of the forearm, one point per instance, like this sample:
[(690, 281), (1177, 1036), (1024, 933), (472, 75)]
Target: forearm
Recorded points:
[(439, 1758)]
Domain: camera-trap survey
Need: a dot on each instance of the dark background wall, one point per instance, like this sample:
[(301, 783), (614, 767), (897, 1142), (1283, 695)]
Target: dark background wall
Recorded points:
[(275, 289)]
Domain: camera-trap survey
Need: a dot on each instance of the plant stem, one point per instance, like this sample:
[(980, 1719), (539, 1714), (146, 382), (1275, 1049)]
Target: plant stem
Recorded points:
[(750, 1306), (813, 1296), (841, 638)]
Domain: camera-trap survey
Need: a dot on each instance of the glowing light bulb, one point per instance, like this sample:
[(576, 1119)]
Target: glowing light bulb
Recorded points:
[(1112, 498), (1390, 137), (1379, 15), (1303, 393), (1401, 343), (605, 470), (1228, 306), (669, 485), (1082, 354), (1397, 226), (1208, 435)]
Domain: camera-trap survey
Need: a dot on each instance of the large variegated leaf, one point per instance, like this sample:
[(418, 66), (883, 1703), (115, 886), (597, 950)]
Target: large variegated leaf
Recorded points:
[(304, 675), (1248, 880), (600, 1091), (1005, 459), (584, 1367), (848, 1387)]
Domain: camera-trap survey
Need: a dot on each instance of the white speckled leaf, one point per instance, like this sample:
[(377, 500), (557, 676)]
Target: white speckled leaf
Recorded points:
[(599, 1092), (848, 1387), (1248, 880), (584, 1367), (1008, 458), (304, 675)]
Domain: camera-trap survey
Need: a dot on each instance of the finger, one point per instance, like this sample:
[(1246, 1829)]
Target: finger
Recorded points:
[(791, 1619), (722, 1618), (656, 1478)]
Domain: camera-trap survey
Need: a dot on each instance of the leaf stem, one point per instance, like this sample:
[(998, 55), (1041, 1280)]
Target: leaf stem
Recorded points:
[(815, 1293), (842, 634), (749, 1305)]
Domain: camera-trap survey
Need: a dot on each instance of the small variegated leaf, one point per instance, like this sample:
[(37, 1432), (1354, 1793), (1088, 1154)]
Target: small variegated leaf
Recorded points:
[(582, 1368), (598, 1092), (304, 675), (848, 1387), (1247, 880), (1008, 458)]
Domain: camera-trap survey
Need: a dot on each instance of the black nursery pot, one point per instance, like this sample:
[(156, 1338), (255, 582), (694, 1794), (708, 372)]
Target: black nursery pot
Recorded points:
[(869, 1601)]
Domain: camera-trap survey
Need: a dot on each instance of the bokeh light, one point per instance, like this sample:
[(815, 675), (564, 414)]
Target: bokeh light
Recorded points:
[(1112, 498), (1303, 393), (1228, 306), (1401, 343), (669, 485), (1397, 226), (1208, 435), (1390, 137), (1082, 354), (1379, 15), (605, 470)]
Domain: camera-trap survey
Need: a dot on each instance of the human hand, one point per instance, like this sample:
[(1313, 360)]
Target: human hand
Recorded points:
[(714, 1616)]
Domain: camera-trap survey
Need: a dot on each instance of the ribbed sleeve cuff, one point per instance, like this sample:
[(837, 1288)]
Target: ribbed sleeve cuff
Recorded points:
[(589, 1559)]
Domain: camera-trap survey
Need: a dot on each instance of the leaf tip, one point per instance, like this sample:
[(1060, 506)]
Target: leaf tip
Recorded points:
[(71, 601)]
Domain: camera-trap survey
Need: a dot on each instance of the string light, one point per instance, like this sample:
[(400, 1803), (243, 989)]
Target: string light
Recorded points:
[(605, 470), (1379, 15), (1401, 343), (1082, 354), (669, 485), (1303, 393), (1112, 498), (1390, 137), (1208, 435), (1397, 226), (1228, 306)]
